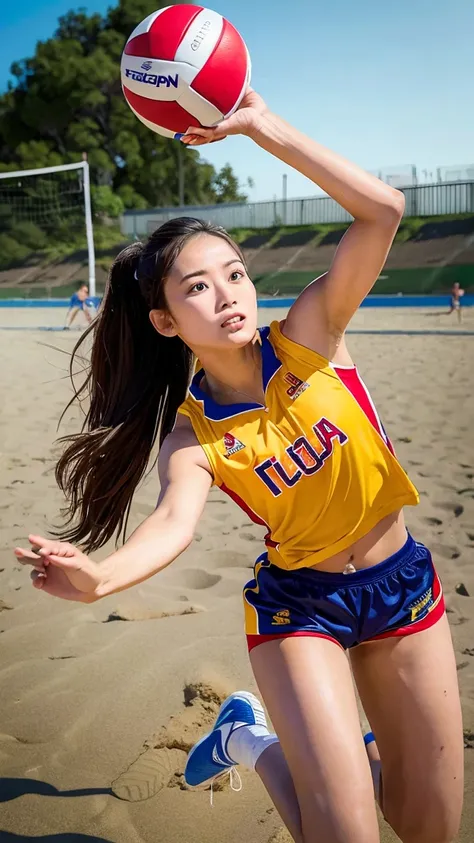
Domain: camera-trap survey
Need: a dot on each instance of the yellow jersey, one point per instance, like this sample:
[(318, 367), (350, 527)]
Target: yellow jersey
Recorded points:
[(314, 465)]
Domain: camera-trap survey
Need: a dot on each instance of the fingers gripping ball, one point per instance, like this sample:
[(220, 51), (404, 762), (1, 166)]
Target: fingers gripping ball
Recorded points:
[(184, 66)]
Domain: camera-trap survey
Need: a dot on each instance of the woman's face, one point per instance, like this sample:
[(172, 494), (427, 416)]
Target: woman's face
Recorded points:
[(211, 300)]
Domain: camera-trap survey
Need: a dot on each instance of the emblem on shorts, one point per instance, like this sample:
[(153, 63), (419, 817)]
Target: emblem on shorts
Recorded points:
[(297, 386), (232, 445), (282, 617), (422, 606)]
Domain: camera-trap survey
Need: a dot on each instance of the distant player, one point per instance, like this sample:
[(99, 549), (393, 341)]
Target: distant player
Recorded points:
[(79, 301), (455, 304)]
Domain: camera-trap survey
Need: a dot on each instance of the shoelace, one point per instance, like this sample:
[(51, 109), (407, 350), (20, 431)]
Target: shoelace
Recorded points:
[(234, 776)]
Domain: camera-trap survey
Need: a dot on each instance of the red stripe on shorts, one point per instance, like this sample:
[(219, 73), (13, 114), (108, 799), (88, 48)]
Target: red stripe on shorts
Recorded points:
[(255, 640)]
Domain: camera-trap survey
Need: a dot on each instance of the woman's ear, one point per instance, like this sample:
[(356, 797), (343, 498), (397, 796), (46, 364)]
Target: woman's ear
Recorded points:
[(162, 322)]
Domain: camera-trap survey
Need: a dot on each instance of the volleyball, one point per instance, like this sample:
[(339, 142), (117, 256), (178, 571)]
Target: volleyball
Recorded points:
[(184, 66)]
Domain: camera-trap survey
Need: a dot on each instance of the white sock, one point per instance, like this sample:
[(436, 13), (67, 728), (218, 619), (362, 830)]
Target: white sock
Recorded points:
[(247, 743)]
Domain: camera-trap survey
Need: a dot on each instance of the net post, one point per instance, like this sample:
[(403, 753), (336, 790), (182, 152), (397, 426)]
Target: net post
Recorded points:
[(89, 230)]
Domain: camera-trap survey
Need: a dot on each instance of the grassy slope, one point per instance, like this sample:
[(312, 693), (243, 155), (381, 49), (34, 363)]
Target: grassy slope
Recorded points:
[(426, 279)]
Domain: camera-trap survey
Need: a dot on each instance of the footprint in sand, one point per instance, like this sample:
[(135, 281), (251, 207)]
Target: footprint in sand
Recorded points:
[(431, 522), (60, 658), (445, 551), (220, 516), (141, 613), (456, 619), (249, 537), (150, 773), (163, 760), (455, 508), (448, 486), (227, 560), (227, 588), (468, 492), (197, 578)]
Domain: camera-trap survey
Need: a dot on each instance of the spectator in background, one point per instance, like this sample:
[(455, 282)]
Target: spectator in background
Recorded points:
[(456, 296), (79, 301)]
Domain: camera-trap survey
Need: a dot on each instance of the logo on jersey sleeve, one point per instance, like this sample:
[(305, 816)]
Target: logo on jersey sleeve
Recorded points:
[(232, 444), (297, 386)]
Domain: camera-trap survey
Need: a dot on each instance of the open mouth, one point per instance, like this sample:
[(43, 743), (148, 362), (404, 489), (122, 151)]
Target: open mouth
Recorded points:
[(233, 321)]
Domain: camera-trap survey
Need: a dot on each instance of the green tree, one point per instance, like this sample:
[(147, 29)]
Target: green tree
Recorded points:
[(105, 202), (226, 186), (67, 99)]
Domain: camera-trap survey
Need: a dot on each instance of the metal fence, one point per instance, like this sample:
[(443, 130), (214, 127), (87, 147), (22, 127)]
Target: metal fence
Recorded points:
[(423, 200)]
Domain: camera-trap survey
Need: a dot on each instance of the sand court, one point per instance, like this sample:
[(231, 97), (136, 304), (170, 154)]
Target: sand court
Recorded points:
[(101, 702)]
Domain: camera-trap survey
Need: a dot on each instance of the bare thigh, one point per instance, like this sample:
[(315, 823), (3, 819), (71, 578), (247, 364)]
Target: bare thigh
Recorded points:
[(307, 686), (409, 690)]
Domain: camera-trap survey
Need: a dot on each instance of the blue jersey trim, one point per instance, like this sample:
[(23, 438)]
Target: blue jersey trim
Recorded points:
[(219, 412)]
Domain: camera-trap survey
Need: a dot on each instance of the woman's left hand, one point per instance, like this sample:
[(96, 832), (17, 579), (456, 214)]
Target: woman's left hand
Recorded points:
[(247, 120)]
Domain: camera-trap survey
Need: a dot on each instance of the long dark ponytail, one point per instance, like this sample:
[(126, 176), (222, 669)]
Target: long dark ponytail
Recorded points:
[(136, 381)]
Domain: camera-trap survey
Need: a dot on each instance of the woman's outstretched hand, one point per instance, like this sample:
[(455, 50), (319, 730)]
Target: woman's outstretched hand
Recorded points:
[(61, 569), (247, 120)]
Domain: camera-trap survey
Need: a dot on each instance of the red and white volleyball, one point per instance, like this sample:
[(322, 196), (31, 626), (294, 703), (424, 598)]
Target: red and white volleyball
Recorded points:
[(184, 66)]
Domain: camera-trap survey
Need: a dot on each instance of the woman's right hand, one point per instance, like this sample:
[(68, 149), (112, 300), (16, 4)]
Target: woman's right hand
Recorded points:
[(247, 119), (61, 569)]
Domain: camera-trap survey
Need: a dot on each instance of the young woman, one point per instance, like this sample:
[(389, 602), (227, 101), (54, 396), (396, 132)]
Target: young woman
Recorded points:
[(280, 420)]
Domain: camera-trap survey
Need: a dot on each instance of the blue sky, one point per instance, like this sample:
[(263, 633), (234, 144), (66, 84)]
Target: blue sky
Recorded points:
[(384, 84)]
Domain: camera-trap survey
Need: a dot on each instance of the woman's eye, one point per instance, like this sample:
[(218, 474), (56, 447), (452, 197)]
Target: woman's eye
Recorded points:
[(236, 276), (198, 288)]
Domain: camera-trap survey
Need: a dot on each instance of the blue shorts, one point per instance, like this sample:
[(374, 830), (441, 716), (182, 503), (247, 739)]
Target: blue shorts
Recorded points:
[(77, 302), (399, 596)]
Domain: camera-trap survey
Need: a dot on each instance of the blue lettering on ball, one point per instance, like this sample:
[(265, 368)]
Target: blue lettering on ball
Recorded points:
[(152, 78)]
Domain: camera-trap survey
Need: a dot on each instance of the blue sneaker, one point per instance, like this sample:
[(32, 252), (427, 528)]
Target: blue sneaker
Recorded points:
[(209, 757)]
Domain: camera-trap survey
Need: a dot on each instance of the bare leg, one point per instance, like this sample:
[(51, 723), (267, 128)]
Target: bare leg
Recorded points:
[(275, 775), (71, 316), (409, 691), (325, 783)]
